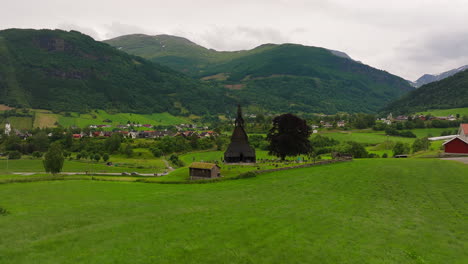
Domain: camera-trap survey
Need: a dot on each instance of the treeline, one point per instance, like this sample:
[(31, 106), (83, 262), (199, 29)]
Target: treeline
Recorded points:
[(101, 147)]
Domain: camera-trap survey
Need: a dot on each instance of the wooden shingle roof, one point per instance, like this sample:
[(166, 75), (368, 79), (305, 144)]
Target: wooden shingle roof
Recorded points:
[(202, 165)]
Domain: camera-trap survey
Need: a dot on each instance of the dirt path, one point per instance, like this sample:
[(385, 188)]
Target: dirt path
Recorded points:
[(169, 168), (460, 159)]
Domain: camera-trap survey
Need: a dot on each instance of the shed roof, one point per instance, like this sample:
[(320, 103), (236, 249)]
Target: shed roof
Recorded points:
[(202, 165), (459, 138)]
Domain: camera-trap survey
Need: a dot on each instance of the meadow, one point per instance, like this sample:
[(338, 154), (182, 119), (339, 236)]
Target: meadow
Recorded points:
[(365, 211), (45, 118), (447, 112)]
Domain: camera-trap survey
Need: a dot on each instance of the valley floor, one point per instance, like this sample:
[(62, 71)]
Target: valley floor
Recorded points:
[(365, 211)]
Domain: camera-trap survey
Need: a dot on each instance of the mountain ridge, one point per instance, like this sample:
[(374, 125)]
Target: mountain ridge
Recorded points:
[(428, 78), (451, 92), (318, 79)]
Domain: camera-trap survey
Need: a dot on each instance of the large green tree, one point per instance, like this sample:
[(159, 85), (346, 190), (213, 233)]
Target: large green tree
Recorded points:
[(289, 136), (53, 159)]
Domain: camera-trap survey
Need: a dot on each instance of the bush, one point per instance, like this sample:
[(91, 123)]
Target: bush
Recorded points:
[(174, 159), (37, 154), (105, 157), (157, 152), (401, 148), (421, 144), (385, 155), (14, 155)]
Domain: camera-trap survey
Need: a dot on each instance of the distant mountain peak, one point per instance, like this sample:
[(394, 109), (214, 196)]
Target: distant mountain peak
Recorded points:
[(428, 78)]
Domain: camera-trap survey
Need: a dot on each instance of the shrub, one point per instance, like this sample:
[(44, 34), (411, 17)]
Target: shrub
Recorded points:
[(174, 159), (385, 155), (401, 148), (14, 155), (37, 154)]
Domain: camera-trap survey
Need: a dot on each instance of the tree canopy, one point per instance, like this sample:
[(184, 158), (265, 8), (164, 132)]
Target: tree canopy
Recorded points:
[(289, 136), (53, 159)]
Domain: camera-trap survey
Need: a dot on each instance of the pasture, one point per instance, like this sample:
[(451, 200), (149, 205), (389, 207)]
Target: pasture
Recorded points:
[(365, 211), (447, 112)]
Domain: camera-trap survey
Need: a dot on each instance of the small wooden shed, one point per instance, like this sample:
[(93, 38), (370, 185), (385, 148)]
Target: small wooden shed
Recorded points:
[(202, 170)]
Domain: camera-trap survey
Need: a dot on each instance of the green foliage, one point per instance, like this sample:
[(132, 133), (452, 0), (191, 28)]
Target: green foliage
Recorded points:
[(323, 144), (157, 152), (451, 92), (174, 159), (37, 154), (127, 150), (401, 148), (53, 159), (421, 144), (14, 155), (97, 157), (112, 144), (105, 157), (352, 148)]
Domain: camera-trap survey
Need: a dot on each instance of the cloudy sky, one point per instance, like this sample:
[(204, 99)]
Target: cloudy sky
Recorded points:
[(405, 37)]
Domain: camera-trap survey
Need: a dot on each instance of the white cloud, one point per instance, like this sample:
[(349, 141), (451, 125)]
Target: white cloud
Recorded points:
[(400, 36)]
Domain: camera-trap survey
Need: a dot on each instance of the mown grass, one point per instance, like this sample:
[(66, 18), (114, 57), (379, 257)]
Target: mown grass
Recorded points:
[(122, 165), (366, 211)]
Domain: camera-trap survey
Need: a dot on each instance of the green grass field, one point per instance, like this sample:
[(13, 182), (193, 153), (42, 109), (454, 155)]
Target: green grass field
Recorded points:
[(45, 118), (84, 120), (375, 137), (446, 112), (120, 165), (365, 211)]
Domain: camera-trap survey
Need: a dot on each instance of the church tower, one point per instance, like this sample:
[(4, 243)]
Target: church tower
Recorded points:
[(7, 128), (239, 149)]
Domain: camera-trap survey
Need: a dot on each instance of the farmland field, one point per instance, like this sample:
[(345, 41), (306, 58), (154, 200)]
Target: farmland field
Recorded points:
[(446, 112), (365, 211), (120, 118)]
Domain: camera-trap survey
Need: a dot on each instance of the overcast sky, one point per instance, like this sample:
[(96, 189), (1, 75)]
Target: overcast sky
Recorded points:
[(405, 37)]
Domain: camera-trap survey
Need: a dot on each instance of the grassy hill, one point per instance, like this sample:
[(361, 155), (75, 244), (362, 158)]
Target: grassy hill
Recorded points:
[(451, 92), (285, 78), (365, 211), (69, 71)]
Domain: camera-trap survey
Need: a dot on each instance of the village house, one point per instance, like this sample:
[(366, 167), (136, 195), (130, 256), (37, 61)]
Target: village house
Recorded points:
[(202, 170), (458, 144)]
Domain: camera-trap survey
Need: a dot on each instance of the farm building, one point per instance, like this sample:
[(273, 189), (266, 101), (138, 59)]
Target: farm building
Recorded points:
[(202, 170), (458, 144), (239, 150)]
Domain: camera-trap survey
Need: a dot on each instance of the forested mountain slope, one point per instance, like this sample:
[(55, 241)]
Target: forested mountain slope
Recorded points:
[(59, 70), (451, 92)]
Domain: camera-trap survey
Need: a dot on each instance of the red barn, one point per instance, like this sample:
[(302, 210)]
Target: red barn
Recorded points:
[(459, 144)]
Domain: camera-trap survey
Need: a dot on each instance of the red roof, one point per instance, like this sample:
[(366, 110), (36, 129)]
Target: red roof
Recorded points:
[(464, 128)]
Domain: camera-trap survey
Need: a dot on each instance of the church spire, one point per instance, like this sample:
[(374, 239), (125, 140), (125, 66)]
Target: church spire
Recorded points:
[(239, 120)]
